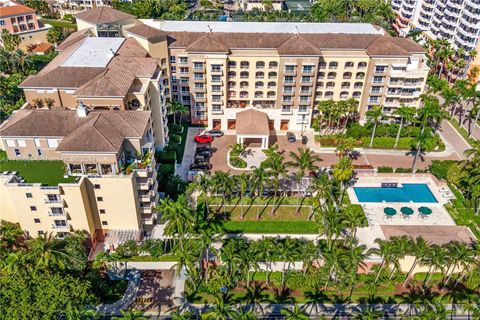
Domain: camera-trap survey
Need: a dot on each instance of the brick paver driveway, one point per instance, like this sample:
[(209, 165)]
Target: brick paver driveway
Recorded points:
[(219, 159)]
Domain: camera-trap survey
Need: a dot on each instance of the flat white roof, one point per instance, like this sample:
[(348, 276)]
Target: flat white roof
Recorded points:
[(264, 27), (94, 52)]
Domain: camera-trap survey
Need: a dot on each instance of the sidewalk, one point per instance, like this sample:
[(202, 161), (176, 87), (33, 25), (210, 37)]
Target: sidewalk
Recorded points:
[(189, 154)]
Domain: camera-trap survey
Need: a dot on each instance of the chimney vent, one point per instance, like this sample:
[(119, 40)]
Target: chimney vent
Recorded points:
[(82, 110)]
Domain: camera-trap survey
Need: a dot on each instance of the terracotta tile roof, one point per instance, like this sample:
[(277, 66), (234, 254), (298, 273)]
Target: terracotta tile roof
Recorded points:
[(207, 43), (433, 234), (131, 48), (15, 10), (151, 34), (384, 46), (73, 38), (103, 15), (62, 77), (99, 131), (41, 47), (297, 44), (252, 122)]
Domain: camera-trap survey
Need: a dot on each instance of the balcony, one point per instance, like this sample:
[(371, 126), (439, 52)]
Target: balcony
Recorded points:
[(286, 111), (65, 227), (303, 111), (216, 72), (56, 214), (217, 111), (288, 72), (147, 209), (149, 219), (289, 83), (304, 102), (202, 80)]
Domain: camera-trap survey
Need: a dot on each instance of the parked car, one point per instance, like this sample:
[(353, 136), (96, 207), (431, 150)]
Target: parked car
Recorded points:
[(200, 158), (203, 139), (203, 153), (192, 173), (291, 137), (201, 166), (205, 148), (214, 133)]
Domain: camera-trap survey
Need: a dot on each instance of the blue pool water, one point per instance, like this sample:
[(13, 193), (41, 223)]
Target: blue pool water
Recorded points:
[(415, 192)]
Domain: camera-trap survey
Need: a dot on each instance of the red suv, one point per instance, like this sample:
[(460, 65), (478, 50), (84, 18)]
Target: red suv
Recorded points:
[(203, 139)]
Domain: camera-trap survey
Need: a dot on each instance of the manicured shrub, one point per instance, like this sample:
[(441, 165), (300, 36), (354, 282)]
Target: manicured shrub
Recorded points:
[(167, 156), (403, 170), (238, 162), (385, 170), (439, 168)]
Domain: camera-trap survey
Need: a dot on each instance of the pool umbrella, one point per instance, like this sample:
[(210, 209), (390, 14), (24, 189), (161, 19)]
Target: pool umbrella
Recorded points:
[(390, 211), (406, 211), (425, 210)]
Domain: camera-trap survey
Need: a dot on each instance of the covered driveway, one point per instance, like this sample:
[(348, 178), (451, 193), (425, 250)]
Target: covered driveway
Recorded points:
[(253, 124)]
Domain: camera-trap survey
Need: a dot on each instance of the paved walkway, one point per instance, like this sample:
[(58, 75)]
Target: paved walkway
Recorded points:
[(133, 277), (189, 153), (458, 143)]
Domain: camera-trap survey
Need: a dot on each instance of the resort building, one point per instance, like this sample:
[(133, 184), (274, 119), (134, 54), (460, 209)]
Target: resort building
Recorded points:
[(104, 21), (248, 5), (22, 20), (102, 74), (282, 69), (458, 21), (108, 166)]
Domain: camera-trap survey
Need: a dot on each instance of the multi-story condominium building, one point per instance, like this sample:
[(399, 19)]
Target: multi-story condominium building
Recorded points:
[(76, 5), (455, 20), (102, 74), (248, 5), (110, 188), (21, 20), (283, 69), (105, 21)]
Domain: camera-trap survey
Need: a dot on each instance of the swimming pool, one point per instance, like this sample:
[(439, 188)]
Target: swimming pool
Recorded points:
[(416, 192)]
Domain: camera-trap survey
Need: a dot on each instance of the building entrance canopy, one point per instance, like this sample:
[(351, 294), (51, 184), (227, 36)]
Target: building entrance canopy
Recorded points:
[(252, 124)]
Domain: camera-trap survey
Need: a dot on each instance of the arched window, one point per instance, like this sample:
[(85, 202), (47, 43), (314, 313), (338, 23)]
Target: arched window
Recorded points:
[(244, 64), (232, 74), (243, 94), (362, 65), (232, 94), (328, 94), (272, 84), (272, 64), (272, 75), (258, 94), (318, 95), (345, 85), (259, 75), (333, 65), (231, 84), (271, 94), (343, 94), (259, 84), (232, 64), (356, 94), (321, 75), (330, 85), (349, 64), (360, 75), (322, 65), (332, 75), (358, 85), (320, 84), (347, 75), (244, 74), (260, 64), (244, 84)]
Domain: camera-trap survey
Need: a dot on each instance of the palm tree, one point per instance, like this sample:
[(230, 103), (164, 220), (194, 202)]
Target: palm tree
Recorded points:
[(353, 220), (248, 261), (419, 249), (305, 160), (330, 224), (425, 142), (434, 259), (10, 234), (21, 61), (387, 251), (343, 171), (203, 183), (176, 107), (460, 255), (242, 181), (401, 246), (260, 176), (323, 186), (406, 114), (274, 165), (297, 313), (266, 250), (45, 254), (221, 309), (335, 258), (375, 114)]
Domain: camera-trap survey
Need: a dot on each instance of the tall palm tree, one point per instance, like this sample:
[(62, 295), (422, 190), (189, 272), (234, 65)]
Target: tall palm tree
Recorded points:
[(260, 177), (274, 165), (175, 107), (406, 114), (375, 114), (330, 224), (343, 172), (203, 184), (425, 142), (44, 253), (243, 182), (461, 256), (305, 160), (419, 249), (386, 250), (221, 309), (266, 250), (435, 260)]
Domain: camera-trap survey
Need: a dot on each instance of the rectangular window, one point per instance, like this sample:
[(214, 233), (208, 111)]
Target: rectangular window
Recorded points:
[(199, 95), (288, 79), (183, 70), (40, 233), (378, 79), (99, 199), (52, 143), (102, 211), (53, 197), (306, 79), (60, 223), (11, 143), (28, 195), (96, 186), (199, 86), (198, 76), (216, 68), (172, 59), (380, 69), (57, 210), (216, 78), (21, 143), (173, 69), (198, 65), (183, 60), (174, 88), (36, 220), (33, 208), (216, 88), (2, 22), (17, 152), (289, 69), (307, 69), (376, 89), (216, 98), (287, 99), (104, 223)]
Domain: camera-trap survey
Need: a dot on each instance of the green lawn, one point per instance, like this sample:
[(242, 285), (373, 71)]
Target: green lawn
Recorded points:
[(49, 173), (462, 214), (179, 147), (461, 130), (404, 143), (60, 23)]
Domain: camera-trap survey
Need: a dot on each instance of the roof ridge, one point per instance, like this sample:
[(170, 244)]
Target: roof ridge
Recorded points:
[(100, 116)]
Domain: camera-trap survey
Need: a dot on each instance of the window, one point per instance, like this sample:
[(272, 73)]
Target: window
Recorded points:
[(307, 69), (305, 89), (304, 98), (358, 85), (11, 143), (52, 143), (322, 65), (102, 211), (173, 69), (232, 94), (216, 98), (198, 86), (321, 75), (28, 195), (199, 95), (36, 220), (183, 60), (216, 88), (198, 76), (271, 94), (232, 64), (40, 233), (244, 74), (60, 223), (332, 75), (328, 94), (288, 89), (99, 199), (347, 75), (272, 64), (330, 85), (259, 75), (356, 94), (53, 197), (360, 75), (377, 79), (380, 69), (376, 89), (33, 208), (345, 85), (362, 65), (260, 64), (216, 78), (172, 59), (272, 75), (343, 94), (216, 68), (96, 186), (244, 84), (373, 99), (198, 65), (259, 84), (232, 74), (231, 84), (56, 210), (333, 65), (287, 99), (289, 69), (2, 22), (17, 152), (272, 84), (286, 109), (183, 70), (243, 94), (288, 79), (306, 79), (21, 143), (320, 84), (244, 64), (258, 94), (349, 64)]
